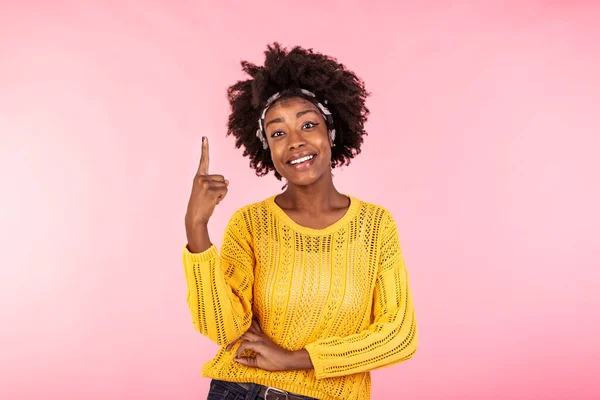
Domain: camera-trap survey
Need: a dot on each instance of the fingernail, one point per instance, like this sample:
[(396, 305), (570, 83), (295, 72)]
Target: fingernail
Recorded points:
[(202, 139)]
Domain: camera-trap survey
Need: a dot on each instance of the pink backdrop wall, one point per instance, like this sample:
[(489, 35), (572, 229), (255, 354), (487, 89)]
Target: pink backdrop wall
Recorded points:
[(484, 137)]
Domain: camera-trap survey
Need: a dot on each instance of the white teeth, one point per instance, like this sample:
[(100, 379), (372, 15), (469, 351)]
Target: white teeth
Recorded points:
[(301, 160)]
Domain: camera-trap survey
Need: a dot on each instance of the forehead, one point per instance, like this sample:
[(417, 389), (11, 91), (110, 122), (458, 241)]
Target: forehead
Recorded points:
[(290, 104)]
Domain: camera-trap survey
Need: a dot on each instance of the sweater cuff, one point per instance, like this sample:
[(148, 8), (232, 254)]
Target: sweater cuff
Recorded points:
[(204, 256), (317, 363)]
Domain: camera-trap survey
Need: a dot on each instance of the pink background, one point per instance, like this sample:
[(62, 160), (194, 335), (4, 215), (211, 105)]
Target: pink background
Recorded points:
[(485, 130)]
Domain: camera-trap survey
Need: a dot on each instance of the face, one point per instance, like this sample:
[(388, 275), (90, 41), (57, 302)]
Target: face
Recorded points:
[(298, 140)]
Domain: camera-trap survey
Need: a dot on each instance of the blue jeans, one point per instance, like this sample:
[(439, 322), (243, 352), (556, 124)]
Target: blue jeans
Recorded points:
[(222, 390)]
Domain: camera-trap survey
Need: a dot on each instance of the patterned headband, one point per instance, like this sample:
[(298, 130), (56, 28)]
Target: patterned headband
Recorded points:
[(262, 135)]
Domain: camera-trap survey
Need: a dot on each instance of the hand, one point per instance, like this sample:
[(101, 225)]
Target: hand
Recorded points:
[(268, 355), (207, 192)]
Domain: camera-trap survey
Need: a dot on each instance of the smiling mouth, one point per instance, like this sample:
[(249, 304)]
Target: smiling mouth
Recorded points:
[(301, 160)]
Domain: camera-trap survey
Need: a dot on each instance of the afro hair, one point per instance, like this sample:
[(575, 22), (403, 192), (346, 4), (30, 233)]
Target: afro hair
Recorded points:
[(285, 71)]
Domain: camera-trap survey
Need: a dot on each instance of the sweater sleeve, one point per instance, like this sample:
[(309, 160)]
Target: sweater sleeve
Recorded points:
[(392, 335), (219, 286)]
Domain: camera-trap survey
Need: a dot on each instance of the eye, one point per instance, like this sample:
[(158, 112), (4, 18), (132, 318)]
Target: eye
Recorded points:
[(277, 133), (309, 125)]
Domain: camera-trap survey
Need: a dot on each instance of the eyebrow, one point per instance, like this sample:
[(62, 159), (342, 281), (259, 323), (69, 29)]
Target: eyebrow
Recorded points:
[(298, 115)]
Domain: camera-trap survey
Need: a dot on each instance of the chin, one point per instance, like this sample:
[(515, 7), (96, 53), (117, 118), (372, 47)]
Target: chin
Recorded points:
[(303, 179), (301, 182), (306, 174)]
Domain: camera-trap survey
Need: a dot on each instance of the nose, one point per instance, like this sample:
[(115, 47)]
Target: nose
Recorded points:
[(296, 139)]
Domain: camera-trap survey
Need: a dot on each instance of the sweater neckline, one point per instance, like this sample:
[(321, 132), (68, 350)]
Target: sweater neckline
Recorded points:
[(283, 216)]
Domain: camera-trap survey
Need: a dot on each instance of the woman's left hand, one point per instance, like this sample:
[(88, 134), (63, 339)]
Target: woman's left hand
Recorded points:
[(269, 355)]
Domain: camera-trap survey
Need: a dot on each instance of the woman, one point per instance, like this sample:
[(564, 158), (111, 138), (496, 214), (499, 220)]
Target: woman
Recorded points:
[(309, 291)]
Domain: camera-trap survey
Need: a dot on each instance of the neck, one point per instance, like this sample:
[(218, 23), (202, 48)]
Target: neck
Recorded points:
[(313, 199)]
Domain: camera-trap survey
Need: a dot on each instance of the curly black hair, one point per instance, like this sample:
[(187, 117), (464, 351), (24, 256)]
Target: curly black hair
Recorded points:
[(286, 71)]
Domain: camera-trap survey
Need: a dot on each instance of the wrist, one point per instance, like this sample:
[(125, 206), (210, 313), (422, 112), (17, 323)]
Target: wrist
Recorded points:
[(197, 237), (193, 225), (300, 359)]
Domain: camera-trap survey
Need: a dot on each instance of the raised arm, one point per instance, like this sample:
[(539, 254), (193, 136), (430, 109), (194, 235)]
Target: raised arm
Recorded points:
[(219, 286), (207, 191)]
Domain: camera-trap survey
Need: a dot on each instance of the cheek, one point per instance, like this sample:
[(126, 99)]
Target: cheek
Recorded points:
[(326, 149), (275, 154)]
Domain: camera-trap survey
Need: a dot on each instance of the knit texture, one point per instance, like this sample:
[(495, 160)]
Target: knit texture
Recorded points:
[(341, 293)]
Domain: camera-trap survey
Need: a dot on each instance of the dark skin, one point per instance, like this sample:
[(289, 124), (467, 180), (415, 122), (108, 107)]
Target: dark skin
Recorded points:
[(295, 128)]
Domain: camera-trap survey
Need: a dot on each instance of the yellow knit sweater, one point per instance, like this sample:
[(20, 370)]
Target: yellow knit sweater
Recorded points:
[(341, 293)]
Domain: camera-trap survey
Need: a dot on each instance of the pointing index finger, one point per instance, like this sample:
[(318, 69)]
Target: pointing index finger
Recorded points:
[(204, 158)]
